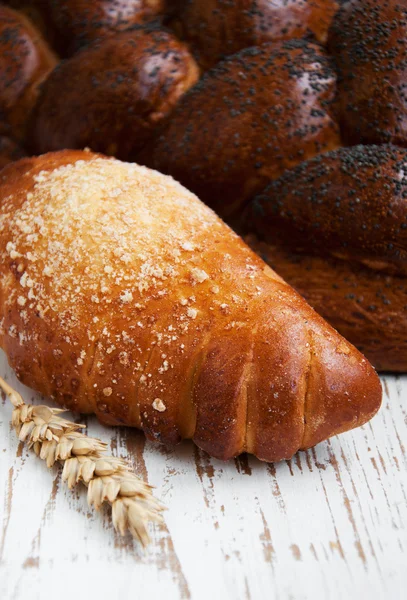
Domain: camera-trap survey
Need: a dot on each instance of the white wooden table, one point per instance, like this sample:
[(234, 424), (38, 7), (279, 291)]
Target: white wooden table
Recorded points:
[(331, 523)]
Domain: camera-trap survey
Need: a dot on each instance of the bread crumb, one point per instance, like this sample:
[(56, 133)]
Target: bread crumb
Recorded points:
[(343, 348), (159, 405), (107, 391), (124, 359), (198, 275), (126, 296)]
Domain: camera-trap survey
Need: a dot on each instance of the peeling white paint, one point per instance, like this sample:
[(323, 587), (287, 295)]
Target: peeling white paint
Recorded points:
[(331, 523)]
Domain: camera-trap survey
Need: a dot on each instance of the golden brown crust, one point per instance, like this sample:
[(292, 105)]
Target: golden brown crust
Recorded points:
[(367, 40), (217, 28), (256, 114), (337, 230), (119, 91), (122, 294), (367, 307), (25, 61)]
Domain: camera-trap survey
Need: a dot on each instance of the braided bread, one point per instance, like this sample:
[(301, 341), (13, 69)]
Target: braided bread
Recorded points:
[(25, 61), (269, 107), (118, 93), (217, 28)]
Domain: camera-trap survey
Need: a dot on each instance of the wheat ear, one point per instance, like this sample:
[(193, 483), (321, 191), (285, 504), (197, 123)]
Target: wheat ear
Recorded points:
[(109, 479)]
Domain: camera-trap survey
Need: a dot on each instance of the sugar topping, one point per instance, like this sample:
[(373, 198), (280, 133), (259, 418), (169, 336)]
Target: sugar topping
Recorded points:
[(118, 261), (121, 226), (159, 405)]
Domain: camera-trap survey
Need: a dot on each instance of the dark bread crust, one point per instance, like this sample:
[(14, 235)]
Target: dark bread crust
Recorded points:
[(350, 203), (218, 28), (80, 22), (119, 91), (335, 228), (25, 61), (37, 12), (9, 151), (367, 41), (239, 360), (256, 114)]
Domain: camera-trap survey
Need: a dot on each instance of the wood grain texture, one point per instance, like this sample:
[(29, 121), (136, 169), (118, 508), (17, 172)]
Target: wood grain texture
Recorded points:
[(331, 523)]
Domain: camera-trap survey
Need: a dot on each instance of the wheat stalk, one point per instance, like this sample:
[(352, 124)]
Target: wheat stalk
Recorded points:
[(109, 479)]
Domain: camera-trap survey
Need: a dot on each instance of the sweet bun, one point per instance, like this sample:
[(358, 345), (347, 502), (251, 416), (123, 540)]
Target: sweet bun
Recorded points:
[(9, 151), (256, 114), (123, 295), (367, 40), (216, 28), (25, 61), (335, 228), (119, 91)]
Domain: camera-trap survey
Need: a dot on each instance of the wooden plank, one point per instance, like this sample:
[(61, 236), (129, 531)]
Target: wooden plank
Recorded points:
[(331, 523)]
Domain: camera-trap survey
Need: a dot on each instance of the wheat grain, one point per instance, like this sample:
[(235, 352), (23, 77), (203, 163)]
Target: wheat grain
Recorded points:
[(109, 479)]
